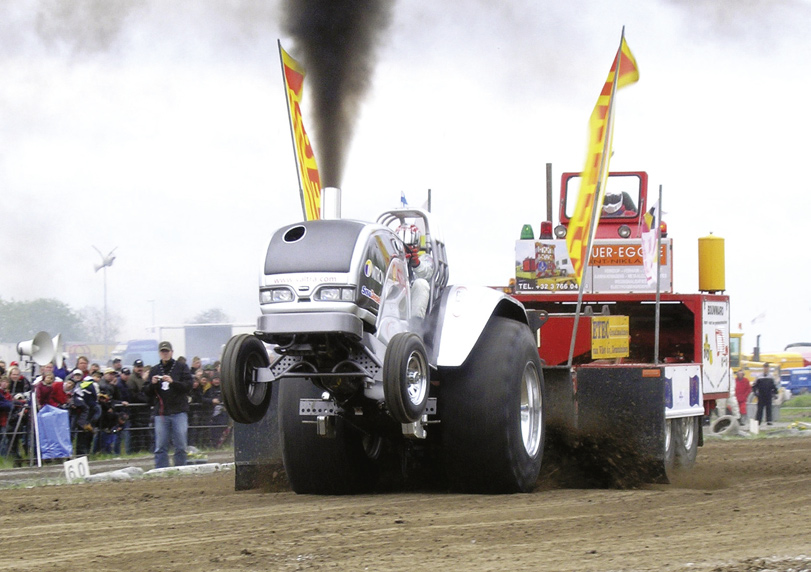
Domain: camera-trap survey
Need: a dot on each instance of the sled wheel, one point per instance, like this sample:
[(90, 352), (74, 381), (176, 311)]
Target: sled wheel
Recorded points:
[(405, 377), (322, 465), (686, 437), (671, 431), (492, 413), (245, 399)]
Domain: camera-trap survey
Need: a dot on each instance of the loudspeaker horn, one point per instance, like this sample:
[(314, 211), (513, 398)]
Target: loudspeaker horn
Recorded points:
[(59, 351), (40, 348)]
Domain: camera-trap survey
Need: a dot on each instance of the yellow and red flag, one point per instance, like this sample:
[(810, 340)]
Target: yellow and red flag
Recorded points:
[(309, 179), (582, 225)]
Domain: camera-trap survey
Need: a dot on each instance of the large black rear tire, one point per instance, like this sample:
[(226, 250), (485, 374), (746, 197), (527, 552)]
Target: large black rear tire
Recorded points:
[(492, 413), (245, 400), (322, 465)]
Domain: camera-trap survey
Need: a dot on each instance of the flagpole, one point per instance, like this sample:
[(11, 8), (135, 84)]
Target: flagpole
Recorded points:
[(658, 283), (598, 203), (596, 209), (292, 132)]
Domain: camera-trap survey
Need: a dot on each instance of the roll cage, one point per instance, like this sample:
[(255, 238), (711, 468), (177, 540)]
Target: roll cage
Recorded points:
[(433, 244)]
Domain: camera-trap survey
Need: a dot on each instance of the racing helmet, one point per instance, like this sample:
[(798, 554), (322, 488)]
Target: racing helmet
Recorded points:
[(612, 202), (410, 234)]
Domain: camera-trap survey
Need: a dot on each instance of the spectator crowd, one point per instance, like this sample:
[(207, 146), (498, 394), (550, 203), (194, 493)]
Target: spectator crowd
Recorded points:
[(110, 409)]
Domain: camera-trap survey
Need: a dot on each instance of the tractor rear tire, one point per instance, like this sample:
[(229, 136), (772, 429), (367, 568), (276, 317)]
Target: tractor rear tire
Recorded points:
[(245, 400), (492, 413), (322, 465)]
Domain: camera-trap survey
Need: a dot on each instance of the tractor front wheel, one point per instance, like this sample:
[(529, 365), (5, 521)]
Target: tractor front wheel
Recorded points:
[(245, 399), (406, 377)]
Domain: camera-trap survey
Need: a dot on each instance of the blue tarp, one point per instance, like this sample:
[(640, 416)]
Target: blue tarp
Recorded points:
[(54, 433)]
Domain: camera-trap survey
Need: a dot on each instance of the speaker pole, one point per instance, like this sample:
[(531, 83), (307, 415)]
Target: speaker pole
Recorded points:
[(106, 338)]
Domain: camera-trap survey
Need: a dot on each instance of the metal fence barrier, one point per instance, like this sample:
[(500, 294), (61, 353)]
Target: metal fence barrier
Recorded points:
[(135, 434)]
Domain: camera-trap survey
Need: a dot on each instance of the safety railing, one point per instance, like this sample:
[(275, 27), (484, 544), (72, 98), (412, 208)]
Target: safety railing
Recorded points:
[(134, 433)]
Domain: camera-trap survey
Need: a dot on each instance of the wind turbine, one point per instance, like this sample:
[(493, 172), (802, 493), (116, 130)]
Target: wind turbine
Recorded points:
[(105, 260)]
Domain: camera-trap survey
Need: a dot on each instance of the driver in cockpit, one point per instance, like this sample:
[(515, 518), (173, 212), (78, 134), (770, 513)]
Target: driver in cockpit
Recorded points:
[(421, 268), (618, 204)]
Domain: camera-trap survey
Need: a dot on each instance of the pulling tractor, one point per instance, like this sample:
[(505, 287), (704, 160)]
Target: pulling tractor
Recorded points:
[(362, 377)]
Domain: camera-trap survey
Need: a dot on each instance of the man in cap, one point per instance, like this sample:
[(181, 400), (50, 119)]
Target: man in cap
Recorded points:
[(168, 387), (108, 382), (135, 383)]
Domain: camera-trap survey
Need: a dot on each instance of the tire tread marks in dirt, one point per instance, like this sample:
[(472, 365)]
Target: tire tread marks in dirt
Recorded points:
[(743, 507)]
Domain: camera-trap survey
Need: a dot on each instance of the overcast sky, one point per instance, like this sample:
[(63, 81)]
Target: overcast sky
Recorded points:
[(160, 129)]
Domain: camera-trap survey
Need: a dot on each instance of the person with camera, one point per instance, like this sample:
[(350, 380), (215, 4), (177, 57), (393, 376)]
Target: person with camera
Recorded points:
[(168, 388)]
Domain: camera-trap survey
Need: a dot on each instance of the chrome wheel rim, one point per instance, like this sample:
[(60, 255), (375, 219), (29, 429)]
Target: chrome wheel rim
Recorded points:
[(531, 410), (416, 378), (688, 432)]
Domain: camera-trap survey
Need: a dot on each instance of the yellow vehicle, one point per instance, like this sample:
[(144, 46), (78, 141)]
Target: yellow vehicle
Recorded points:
[(781, 362)]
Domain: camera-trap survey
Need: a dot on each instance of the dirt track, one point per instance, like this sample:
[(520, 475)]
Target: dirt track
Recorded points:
[(745, 507)]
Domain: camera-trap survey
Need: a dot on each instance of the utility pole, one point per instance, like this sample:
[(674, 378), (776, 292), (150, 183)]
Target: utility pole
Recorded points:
[(105, 262)]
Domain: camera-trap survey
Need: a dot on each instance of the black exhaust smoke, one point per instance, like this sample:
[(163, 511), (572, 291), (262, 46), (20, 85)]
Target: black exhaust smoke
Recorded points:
[(336, 41)]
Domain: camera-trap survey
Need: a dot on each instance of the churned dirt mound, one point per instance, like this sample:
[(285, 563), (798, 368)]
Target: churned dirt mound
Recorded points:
[(743, 508)]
